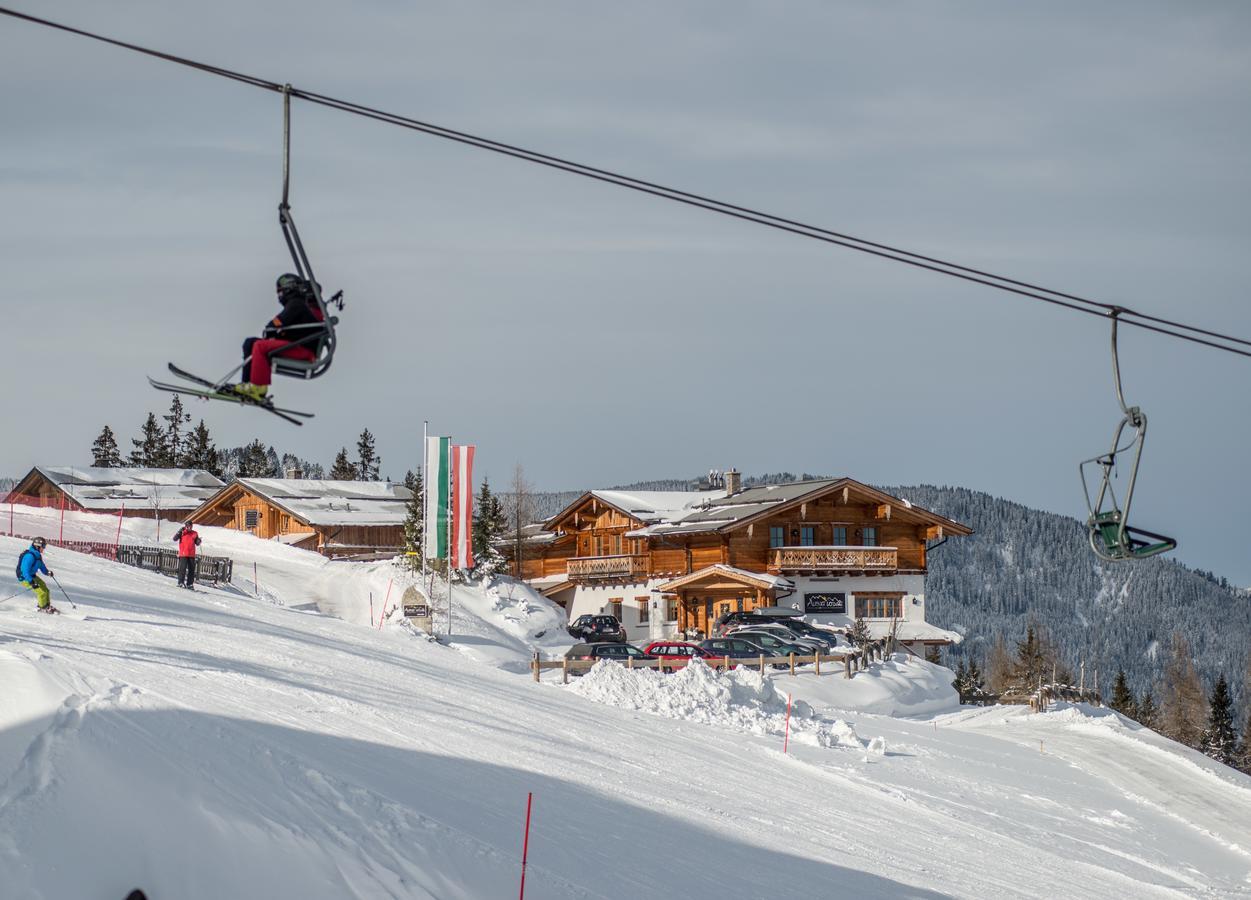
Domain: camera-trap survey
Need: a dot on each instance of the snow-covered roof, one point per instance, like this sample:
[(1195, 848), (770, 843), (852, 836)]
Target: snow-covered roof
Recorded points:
[(773, 582), (96, 488), (657, 506), (318, 501), (911, 631)]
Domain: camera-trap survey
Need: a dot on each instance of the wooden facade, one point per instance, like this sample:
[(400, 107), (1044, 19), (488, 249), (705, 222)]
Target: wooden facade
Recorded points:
[(838, 528), (244, 509)]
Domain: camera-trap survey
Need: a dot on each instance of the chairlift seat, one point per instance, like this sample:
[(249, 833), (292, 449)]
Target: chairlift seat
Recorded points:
[(309, 368), (1113, 542)]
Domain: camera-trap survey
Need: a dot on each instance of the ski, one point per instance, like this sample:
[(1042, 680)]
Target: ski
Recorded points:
[(210, 392)]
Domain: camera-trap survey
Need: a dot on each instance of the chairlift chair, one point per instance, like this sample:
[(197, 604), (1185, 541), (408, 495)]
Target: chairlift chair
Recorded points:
[(1111, 536)]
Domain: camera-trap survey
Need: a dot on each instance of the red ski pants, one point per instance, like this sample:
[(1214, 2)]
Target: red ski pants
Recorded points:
[(258, 350)]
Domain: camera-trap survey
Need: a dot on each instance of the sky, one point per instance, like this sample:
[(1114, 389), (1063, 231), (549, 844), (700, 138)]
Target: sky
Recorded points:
[(595, 336)]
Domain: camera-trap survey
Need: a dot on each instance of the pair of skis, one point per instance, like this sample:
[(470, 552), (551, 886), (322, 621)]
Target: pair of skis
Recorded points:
[(211, 391)]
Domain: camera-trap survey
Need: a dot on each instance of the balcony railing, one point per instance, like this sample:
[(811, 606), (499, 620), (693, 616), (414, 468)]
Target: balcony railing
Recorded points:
[(833, 559), (622, 566)]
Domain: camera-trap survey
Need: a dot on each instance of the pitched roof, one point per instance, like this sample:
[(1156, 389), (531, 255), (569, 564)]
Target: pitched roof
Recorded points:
[(758, 579), (316, 501), (97, 488)]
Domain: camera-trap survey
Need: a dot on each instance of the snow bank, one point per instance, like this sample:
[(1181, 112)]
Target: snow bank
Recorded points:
[(740, 700), (900, 686)]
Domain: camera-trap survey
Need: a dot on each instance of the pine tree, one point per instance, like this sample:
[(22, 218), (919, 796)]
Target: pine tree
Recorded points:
[(176, 438), (343, 470), (1244, 750), (1037, 662), (149, 447), (104, 452), (1219, 740), (199, 452), (1182, 703), (1122, 697), (1148, 714), (961, 681), (255, 462), (413, 520), (933, 654), (369, 462), (490, 527), (859, 633)]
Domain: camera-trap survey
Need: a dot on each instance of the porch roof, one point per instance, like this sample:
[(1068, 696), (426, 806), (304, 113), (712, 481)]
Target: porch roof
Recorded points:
[(721, 571)]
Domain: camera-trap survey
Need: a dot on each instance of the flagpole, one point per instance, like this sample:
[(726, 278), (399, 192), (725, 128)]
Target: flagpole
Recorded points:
[(450, 495), (425, 481)]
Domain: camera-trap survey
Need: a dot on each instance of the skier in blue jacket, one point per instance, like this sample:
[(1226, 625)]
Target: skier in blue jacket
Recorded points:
[(29, 565)]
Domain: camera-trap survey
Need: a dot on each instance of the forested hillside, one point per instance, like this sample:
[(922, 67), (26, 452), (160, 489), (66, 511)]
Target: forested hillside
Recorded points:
[(1022, 562)]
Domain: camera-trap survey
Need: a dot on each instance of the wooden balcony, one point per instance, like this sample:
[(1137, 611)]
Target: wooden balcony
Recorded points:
[(623, 567), (812, 560)]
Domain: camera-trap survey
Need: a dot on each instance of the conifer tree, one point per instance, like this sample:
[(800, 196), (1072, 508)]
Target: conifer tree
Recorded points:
[(255, 461), (1037, 661), (1182, 704), (1244, 749), (149, 447), (859, 633), (961, 682), (490, 526), (176, 422), (1148, 713), (933, 655), (1219, 740), (342, 469), (1122, 697), (368, 460), (200, 453), (413, 520), (104, 452)]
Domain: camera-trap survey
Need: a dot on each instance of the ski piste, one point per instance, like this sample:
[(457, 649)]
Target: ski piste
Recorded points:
[(211, 391)]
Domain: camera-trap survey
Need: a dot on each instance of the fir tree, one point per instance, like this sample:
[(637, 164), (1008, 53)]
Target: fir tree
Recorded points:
[(199, 452), (1244, 750), (961, 682), (176, 438), (413, 520), (1182, 703), (149, 449), (490, 527), (104, 452), (343, 470), (1037, 662), (1122, 697), (859, 634), (1219, 740), (368, 461), (933, 654), (255, 461), (1148, 714)]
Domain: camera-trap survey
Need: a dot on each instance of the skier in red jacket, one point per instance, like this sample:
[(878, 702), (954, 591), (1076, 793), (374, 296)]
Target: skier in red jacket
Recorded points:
[(188, 539)]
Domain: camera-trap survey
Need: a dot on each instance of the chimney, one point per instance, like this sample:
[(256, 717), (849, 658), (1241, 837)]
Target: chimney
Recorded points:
[(295, 472), (733, 482)]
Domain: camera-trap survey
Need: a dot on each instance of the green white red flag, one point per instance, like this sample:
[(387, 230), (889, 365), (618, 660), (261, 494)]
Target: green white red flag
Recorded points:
[(448, 514)]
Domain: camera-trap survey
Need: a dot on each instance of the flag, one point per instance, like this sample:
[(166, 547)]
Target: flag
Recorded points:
[(436, 480), (462, 506)]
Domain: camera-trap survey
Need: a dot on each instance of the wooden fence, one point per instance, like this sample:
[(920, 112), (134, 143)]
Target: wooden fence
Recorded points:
[(849, 662), (209, 569)]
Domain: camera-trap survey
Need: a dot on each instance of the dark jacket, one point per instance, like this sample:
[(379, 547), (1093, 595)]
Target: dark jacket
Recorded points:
[(299, 307), (188, 539)]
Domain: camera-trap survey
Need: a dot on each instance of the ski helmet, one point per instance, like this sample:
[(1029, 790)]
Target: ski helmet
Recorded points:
[(288, 282), (39, 543)]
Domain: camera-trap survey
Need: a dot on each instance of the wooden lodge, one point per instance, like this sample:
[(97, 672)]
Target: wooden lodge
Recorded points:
[(131, 492), (672, 562), (339, 519)]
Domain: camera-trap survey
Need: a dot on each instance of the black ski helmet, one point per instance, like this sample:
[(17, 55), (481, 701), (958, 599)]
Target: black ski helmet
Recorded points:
[(39, 543), (288, 282)]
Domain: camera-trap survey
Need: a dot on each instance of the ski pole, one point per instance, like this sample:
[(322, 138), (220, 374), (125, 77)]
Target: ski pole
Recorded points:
[(72, 604), (18, 594)]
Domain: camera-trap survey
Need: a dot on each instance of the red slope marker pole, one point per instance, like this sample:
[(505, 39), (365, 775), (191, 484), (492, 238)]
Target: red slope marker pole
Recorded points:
[(525, 846), (382, 618), (786, 739), (121, 512)]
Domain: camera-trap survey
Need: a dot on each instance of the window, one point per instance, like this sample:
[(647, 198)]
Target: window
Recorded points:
[(614, 607), (840, 536), (286, 524), (616, 544), (251, 517), (725, 609), (807, 536), (777, 536), (879, 607), (671, 609), (644, 609), (870, 537)]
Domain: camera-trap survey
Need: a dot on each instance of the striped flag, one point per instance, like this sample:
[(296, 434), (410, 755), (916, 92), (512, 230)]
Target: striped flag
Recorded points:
[(437, 480), (462, 506)]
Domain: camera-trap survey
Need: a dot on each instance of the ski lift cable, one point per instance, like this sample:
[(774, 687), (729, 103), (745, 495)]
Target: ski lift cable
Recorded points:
[(1170, 328)]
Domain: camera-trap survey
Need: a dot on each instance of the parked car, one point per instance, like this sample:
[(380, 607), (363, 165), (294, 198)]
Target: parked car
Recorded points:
[(788, 635), (732, 648), (676, 654), (618, 651), (593, 628), (771, 643)]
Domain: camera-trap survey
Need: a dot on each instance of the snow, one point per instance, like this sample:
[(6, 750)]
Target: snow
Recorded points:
[(99, 488), (324, 502), (223, 744), (654, 506)]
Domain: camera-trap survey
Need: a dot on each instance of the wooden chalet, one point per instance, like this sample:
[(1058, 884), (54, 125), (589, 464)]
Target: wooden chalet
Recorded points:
[(131, 492), (672, 562), (339, 519)]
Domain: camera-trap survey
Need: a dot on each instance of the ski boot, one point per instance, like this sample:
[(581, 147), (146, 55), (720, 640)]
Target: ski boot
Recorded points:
[(253, 393), (49, 609)]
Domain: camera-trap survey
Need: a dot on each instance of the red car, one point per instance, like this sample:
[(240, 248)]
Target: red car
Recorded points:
[(676, 654)]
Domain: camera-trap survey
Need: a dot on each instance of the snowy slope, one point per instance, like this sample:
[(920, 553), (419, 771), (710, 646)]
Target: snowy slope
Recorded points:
[(215, 744)]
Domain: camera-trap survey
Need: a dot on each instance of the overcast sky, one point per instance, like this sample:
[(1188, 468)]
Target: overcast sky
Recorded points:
[(597, 336)]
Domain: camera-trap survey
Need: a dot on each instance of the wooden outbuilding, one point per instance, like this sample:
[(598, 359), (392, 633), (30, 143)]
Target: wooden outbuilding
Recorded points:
[(339, 519), (138, 492)]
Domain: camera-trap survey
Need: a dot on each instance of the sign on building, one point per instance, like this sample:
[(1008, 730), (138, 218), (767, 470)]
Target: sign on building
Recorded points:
[(825, 603)]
